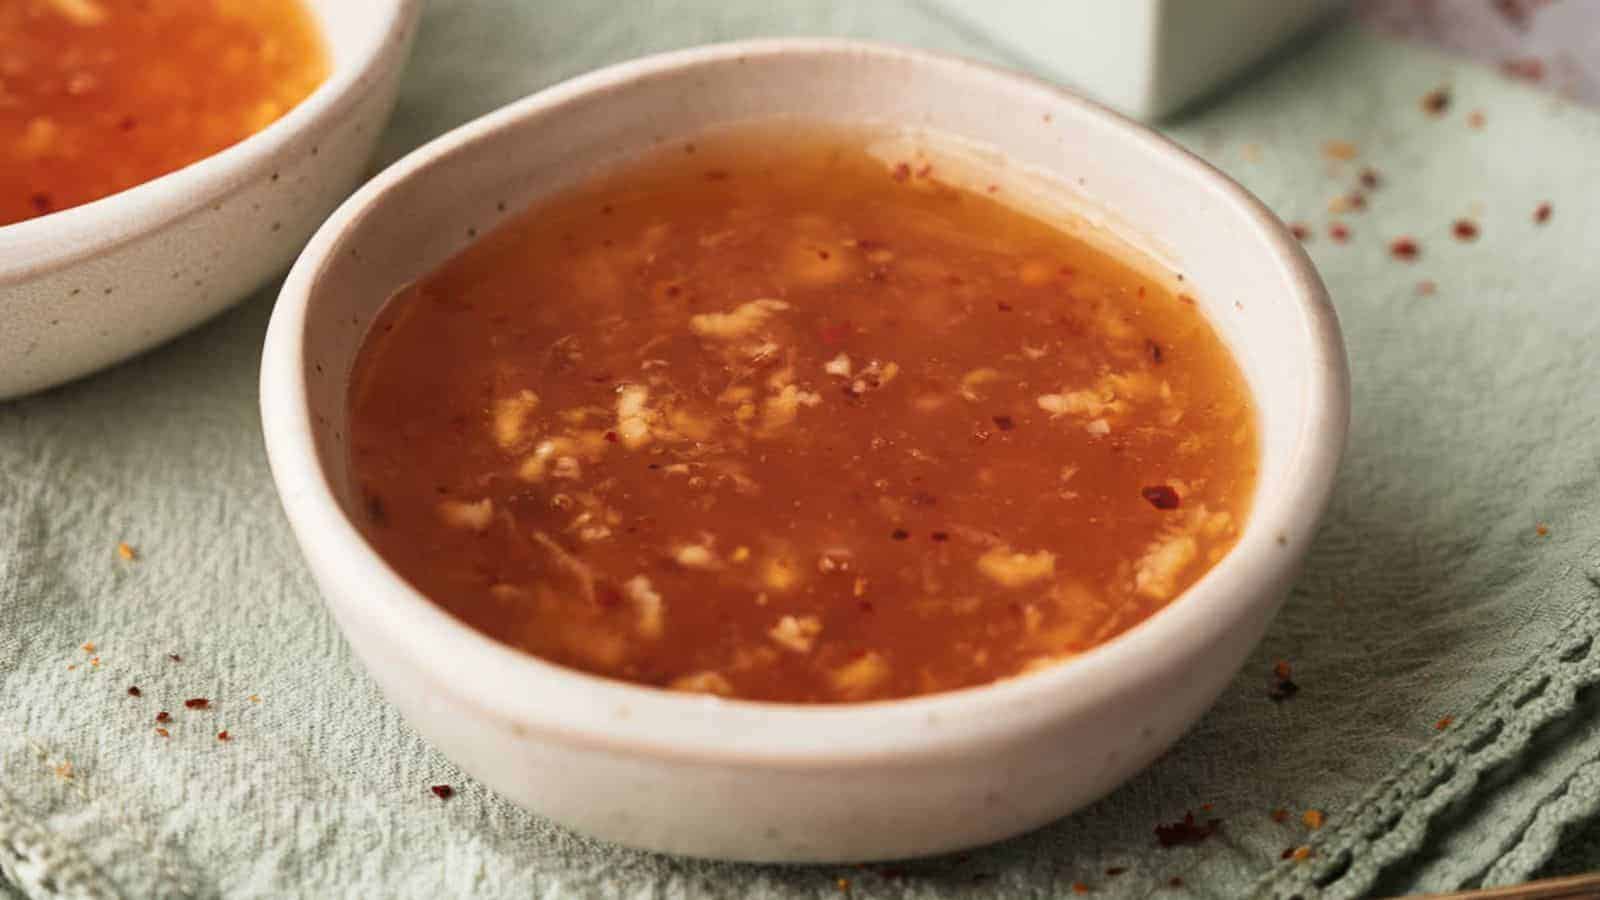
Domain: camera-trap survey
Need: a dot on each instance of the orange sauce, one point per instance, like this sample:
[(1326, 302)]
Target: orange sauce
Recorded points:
[(97, 96), (772, 417)]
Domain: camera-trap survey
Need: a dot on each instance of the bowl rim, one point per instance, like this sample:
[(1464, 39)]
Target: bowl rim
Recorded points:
[(527, 696), (47, 243)]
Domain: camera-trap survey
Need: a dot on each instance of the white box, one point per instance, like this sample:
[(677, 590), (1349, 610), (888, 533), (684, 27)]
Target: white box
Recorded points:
[(1144, 57)]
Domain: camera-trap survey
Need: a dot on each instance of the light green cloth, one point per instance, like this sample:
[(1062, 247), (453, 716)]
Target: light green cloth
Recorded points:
[(1476, 419)]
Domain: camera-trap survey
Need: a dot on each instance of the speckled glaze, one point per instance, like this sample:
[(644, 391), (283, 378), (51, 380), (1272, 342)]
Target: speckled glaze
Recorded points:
[(92, 285), (757, 781)]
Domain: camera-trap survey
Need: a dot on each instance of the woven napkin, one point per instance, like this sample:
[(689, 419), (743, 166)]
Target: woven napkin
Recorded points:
[(1440, 635)]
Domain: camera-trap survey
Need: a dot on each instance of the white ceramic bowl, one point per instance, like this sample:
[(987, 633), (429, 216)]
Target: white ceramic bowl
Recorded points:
[(758, 781), (92, 285)]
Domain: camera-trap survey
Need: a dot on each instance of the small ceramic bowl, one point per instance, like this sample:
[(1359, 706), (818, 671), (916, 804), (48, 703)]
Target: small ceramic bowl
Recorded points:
[(92, 285), (760, 781)]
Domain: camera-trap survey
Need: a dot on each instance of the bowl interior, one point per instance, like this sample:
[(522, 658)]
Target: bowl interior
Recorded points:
[(1248, 275)]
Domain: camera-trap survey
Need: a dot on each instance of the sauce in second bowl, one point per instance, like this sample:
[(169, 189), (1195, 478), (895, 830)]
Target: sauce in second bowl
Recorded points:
[(784, 415), (97, 96)]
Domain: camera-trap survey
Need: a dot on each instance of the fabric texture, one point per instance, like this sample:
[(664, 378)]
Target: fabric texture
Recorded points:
[(1454, 576)]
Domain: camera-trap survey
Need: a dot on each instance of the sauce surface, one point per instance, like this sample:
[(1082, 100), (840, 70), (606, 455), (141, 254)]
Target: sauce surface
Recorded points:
[(97, 96), (778, 416)]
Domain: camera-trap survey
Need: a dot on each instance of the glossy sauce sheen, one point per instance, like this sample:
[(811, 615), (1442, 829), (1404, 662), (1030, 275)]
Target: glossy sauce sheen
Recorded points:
[(97, 96), (774, 417)]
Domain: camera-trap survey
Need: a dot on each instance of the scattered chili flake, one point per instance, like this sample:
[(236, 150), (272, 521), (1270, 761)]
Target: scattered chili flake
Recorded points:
[(1079, 887), (135, 692), (1341, 150), (1301, 853), (126, 552), (163, 716), (163, 732), (1526, 68), (1280, 815), (1287, 852), (1282, 669), (1154, 349), (174, 657), (1339, 232), (940, 536), (1475, 119), (1300, 231), (95, 661), (1114, 871), (833, 334), (42, 203), (1436, 101), (1003, 306), (902, 171), (127, 123), (1355, 200), (1185, 298), (1404, 248), (224, 736), (1465, 230), (1369, 178), (899, 534), (1175, 881), (1187, 831), (88, 647), (925, 170), (1004, 423), (1426, 288), (1161, 496), (1541, 529), (843, 884), (1513, 11), (197, 703), (1206, 807), (1541, 214), (255, 698), (1444, 723), (63, 770), (443, 791), (611, 437), (1313, 819)]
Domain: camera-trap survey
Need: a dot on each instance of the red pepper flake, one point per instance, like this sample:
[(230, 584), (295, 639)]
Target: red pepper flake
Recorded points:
[(1187, 831), (1079, 887), (607, 209), (163, 732), (901, 172), (1114, 871), (1280, 815), (224, 736), (1185, 298), (1206, 807), (1541, 214), (1339, 232), (1313, 819), (1175, 881), (1404, 248), (1300, 231), (42, 203), (1003, 306), (1287, 852), (939, 536), (135, 692), (925, 170), (174, 657), (1282, 669), (197, 703), (899, 534), (1514, 12), (993, 189), (443, 791), (1161, 496), (1443, 723), (843, 884), (1154, 349), (1541, 529), (1355, 200), (1004, 423), (1465, 230), (824, 255), (1369, 179), (1426, 288), (1476, 119), (127, 123), (833, 334), (611, 437), (1526, 68), (163, 716), (1301, 853), (1436, 101)]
